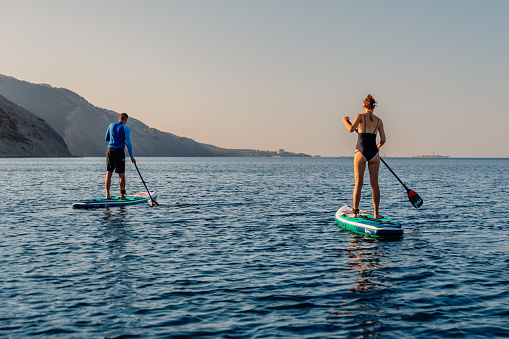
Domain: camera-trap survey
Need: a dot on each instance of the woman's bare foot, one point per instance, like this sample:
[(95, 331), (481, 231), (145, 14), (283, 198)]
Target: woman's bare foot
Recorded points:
[(354, 213), (378, 216)]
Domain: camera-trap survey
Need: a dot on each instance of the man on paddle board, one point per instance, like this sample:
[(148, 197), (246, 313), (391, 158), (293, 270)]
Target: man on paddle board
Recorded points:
[(366, 124), (119, 136)]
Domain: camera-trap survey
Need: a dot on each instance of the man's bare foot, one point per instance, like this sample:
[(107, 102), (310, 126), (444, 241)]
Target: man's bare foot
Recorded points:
[(378, 216), (108, 197)]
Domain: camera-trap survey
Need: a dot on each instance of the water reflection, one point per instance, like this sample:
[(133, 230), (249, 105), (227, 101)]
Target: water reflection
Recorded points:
[(364, 257), (367, 300), (115, 233), (114, 216), (116, 262)]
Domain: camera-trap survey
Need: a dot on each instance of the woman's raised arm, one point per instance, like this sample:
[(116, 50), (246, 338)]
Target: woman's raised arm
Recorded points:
[(349, 126)]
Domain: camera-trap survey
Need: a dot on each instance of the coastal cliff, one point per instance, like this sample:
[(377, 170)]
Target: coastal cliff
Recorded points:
[(22, 134)]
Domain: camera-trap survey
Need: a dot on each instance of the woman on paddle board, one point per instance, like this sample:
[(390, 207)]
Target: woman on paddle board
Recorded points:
[(367, 125)]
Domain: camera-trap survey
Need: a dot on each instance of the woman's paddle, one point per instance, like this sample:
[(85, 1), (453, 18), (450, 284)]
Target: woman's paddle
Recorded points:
[(152, 201), (414, 198)]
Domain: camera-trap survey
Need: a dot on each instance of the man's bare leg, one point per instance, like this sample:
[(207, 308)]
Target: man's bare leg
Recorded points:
[(122, 185), (107, 183)]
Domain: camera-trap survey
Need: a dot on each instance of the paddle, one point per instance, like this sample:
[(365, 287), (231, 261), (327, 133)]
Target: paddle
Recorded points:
[(413, 197), (152, 201)]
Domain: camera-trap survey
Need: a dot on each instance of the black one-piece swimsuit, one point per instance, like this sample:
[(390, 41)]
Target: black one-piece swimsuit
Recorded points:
[(366, 142)]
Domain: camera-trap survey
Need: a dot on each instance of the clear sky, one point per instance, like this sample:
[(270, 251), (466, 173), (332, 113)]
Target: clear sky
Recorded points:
[(270, 74)]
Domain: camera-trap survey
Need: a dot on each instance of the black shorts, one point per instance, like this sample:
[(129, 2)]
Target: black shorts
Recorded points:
[(115, 160)]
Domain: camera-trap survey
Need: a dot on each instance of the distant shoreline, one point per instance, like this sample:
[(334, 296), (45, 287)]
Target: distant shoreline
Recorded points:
[(431, 156), (38, 156), (239, 157)]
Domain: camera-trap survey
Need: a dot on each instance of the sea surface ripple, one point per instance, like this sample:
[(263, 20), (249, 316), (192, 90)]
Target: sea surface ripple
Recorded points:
[(248, 247)]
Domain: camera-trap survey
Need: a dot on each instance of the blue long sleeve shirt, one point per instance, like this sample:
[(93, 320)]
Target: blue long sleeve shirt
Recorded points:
[(119, 136)]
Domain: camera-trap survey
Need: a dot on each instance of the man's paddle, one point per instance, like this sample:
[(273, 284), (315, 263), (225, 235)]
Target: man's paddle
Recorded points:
[(414, 198), (152, 201)]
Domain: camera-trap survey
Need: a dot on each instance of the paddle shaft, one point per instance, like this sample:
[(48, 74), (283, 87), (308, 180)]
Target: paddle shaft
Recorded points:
[(144, 184), (413, 197), (401, 182)]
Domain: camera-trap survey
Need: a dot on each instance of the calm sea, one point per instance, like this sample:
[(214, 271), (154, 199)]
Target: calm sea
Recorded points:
[(249, 248)]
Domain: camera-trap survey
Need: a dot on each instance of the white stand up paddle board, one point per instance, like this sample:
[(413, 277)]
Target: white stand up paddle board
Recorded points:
[(115, 201)]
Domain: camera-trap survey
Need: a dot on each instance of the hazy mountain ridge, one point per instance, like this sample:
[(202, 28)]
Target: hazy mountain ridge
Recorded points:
[(83, 125), (22, 133)]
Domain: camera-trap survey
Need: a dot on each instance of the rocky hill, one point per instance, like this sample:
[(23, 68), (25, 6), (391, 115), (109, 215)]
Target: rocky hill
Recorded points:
[(83, 125), (22, 133)]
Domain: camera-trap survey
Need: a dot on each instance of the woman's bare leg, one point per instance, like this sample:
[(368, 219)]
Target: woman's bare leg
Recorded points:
[(359, 166), (374, 167)]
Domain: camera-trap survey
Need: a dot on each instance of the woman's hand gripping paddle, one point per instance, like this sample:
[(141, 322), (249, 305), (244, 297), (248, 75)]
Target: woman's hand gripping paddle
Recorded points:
[(413, 197), (152, 201)]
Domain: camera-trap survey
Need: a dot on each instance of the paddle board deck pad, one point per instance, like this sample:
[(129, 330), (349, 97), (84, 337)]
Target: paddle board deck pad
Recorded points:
[(365, 224), (115, 201)]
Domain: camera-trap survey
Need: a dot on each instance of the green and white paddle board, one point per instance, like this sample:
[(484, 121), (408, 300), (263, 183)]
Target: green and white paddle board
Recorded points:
[(115, 201), (365, 224)]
